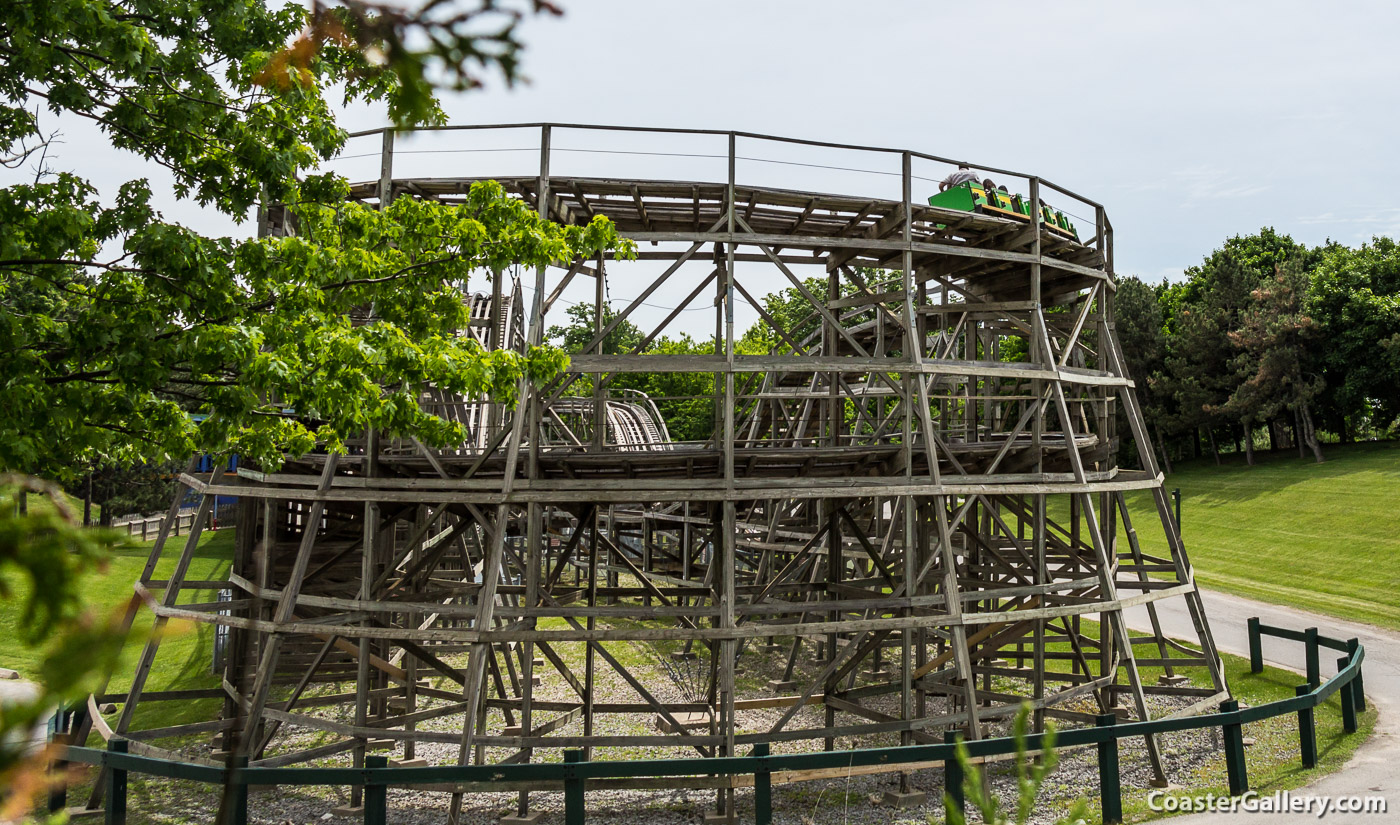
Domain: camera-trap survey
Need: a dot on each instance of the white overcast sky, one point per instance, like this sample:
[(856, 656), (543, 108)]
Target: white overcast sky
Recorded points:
[(1189, 121)]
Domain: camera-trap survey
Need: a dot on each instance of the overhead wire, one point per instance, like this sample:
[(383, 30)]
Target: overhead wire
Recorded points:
[(640, 153)]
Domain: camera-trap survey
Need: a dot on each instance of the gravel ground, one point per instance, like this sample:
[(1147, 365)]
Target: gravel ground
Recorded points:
[(842, 800)]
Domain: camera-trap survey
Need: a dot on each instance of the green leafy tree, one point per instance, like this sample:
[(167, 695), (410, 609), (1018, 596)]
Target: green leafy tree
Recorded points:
[(1354, 299), (1258, 254), (266, 337), (1202, 370), (685, 399), (575, 336), (1198, 374), (115, 322)]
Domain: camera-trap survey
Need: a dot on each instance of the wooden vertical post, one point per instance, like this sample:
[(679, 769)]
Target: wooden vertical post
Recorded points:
[(573, 789), (536, 540), (762, 786), (1310, 647), (1233, 734), (376, 794), (1110, 787), (954, 794), (1038, 526), (1348, 700), (1357, 688), (116, 785), (386, 169), (724, 577), (1256, 649), (1307, 730)]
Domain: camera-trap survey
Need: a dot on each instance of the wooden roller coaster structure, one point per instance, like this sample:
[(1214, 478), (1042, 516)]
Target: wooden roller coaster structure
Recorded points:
[(907, 506)]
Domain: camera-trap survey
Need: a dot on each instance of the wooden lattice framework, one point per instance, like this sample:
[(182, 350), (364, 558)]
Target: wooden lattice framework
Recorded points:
[(885, 500)]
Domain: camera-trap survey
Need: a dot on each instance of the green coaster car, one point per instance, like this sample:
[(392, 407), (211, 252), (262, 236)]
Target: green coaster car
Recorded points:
[(974, 197)]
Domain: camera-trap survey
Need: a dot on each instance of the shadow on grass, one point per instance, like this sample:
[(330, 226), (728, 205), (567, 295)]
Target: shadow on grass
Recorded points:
[(1202, 482)]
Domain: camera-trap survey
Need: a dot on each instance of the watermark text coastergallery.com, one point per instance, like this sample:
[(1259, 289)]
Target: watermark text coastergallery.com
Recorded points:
[(1278, 802)]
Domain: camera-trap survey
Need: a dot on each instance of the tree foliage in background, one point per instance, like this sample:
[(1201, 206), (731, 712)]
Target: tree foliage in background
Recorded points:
[(684, 399), (118, 490), (1268, 333), (1142, 337), (1354, 298), (788, 324)]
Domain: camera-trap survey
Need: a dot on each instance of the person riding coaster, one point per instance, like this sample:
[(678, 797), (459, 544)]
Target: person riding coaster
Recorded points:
[(962, 191)]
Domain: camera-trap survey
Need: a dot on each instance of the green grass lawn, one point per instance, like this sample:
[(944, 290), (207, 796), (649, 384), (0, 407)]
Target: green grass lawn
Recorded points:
[(1319, 537), (186, 654)]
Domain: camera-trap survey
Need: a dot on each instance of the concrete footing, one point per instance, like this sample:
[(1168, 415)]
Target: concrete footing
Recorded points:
[(688, 721), (913, 799)]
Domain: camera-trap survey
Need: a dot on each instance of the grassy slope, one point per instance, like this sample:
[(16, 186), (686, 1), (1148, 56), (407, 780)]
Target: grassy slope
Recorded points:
[(1319, 537)]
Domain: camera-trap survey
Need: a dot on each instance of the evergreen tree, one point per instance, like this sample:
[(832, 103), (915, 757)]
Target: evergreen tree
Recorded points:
[(1273, 338)]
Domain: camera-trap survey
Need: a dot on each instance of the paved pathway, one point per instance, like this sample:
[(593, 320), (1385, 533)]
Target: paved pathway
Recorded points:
[(16, 690), (1375, 767)]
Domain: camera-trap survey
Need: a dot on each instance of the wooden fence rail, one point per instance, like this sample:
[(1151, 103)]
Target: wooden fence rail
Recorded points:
[(146, 528)]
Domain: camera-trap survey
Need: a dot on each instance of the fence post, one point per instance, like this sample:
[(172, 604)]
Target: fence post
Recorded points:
[(1233, 734), (238, 801), (1358, 692), (1110, 787), (762, 786), (376, 793), (954, 797), (116, 785), (58, 792), (1176, 498), (573, 789), (1314, 668), (1307, 729), (1348, 701), (1256, 647)]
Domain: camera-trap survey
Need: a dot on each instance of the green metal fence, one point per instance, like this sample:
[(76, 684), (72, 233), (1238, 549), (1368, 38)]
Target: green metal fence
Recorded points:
[(575, 773)]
